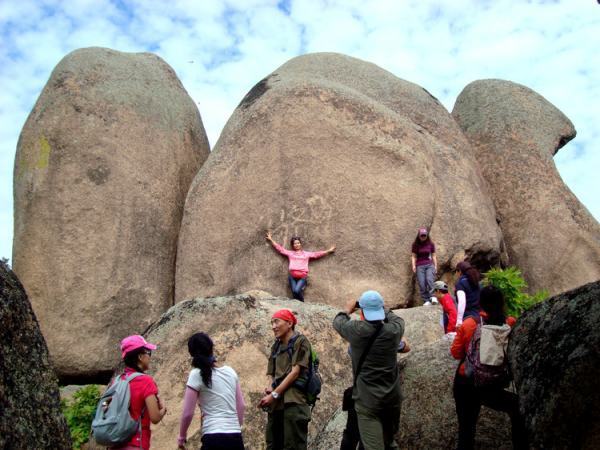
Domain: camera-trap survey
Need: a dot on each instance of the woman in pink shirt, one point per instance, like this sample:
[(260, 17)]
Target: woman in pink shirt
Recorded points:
[(298, 267)]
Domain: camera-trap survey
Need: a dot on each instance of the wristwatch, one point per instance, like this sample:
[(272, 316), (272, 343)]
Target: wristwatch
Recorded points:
[(275, 395)]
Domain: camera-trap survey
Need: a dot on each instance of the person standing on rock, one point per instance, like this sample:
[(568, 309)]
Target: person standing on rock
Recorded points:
[(440, 290), (144, 400), (289, 412), (216, 390), (298, 263), (424, 265), (376, 388), (467, 292), (469, 397)]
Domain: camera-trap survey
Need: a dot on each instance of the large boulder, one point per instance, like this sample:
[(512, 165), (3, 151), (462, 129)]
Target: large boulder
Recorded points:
[(241, 330), (555, 354), (336, 150), (103, 165), (29, 400), (516, 132), (428, 418)]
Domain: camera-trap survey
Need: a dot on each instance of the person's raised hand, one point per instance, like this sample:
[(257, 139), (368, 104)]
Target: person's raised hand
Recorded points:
[(332, 249), (350, 306), (269, 237)]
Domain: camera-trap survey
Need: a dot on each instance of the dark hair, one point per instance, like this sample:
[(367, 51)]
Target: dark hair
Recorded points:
[(200, 347), (132, 360), (491, 301), (471, 273), (420, 242), (295, 238)]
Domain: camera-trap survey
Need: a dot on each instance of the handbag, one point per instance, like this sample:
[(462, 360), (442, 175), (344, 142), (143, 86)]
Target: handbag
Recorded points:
[(347, 400)]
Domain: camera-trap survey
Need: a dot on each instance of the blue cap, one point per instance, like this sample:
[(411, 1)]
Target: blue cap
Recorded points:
[(371, 303)]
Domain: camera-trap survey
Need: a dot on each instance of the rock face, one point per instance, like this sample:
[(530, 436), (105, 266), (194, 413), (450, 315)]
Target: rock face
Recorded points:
[(515, 132), (240, 328), (103, 165), (29, 400), (340, 151), (428, 418), (555, 350)]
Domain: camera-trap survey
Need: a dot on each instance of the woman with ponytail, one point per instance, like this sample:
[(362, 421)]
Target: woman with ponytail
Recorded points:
[(216, 390), (467, 292)]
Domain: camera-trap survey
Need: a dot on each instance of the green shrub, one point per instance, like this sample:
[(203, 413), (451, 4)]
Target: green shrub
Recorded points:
[(79, 412), (511, 283)]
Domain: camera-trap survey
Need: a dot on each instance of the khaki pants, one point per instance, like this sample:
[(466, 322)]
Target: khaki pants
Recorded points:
[(377, 428), (287, 428)]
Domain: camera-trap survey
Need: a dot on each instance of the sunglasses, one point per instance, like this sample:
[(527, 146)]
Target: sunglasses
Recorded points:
[(147, 352)]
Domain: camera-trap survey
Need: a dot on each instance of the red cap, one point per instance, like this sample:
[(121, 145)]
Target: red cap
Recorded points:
[(285, 314), (131, 343)]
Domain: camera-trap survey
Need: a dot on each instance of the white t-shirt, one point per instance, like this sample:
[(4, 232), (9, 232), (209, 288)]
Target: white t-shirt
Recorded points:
[(218, 405)]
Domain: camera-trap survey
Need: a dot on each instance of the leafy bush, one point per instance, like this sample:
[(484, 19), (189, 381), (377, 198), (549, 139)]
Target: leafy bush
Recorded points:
[(79, 412), (511, 283)]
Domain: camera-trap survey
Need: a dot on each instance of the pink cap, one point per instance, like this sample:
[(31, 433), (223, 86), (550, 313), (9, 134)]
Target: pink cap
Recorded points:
[(422, 230), (131, 343)]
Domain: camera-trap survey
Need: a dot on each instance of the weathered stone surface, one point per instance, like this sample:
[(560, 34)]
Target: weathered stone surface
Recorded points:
[(515, 132), (428, 419), (340, 151), (103, 165), (30, 414), (555, 352), (240, 328)]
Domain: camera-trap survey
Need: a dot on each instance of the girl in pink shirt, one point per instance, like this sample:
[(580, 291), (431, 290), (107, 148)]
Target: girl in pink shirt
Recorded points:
[(298, 266)]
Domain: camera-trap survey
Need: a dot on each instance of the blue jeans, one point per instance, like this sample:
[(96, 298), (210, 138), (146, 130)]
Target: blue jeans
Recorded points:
[(297, 286), (425, 279)]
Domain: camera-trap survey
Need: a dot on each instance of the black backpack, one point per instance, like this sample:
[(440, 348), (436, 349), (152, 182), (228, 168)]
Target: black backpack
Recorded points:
[(309, 382)]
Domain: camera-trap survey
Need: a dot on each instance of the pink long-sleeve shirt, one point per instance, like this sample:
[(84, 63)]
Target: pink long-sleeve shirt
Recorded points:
[(298, 266)]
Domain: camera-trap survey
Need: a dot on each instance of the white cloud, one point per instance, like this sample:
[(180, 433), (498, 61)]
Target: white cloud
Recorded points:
[(220, 49)]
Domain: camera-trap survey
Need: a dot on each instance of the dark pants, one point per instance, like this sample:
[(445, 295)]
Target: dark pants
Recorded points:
[(469, 399), (351, 435), (222, 441), (287, 428), (378, 428), (297, 285)]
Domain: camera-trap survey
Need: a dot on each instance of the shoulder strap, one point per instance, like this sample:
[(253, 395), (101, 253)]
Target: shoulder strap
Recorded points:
[(133, 375), (289, 350), (378, 329)]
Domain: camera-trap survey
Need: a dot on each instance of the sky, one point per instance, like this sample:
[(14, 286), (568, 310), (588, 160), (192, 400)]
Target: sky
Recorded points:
[(220, 49)]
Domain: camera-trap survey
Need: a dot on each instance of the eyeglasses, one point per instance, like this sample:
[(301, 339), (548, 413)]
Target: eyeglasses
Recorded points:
[(147, 352)]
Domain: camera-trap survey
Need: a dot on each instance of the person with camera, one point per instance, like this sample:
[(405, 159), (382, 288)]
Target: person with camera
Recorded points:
[(284, 400), (376, 380)]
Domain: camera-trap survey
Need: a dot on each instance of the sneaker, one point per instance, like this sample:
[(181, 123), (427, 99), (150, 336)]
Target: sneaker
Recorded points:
[(434, 301), (427, 304)]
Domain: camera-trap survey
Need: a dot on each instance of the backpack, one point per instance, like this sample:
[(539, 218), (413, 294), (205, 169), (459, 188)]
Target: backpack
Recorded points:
[(309, 382), (112, 423), (486, 362)]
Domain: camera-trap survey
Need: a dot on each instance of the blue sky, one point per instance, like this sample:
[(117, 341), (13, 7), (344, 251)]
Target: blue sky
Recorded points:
[(220, 49)]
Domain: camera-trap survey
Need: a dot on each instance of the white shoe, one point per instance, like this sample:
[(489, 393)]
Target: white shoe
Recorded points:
[(434, 301), (427, 304)]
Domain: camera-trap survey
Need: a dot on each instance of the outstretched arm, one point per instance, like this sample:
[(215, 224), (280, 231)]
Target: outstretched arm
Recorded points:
[(317, 255), (275, 245)]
